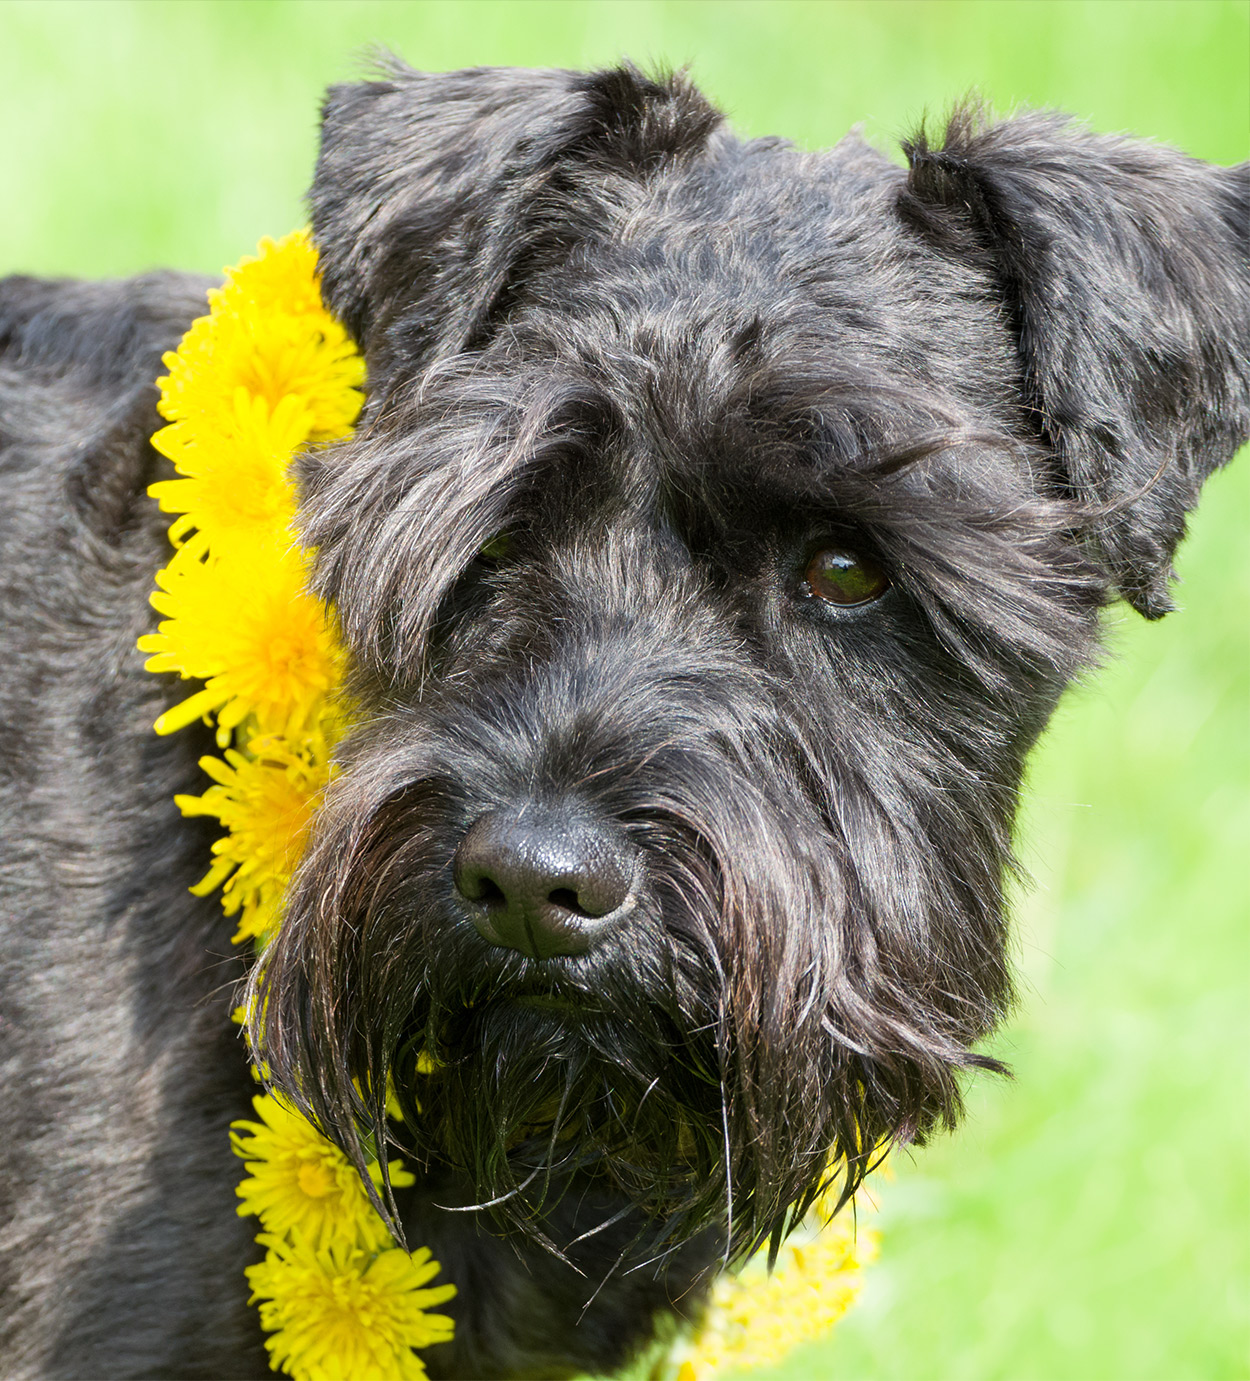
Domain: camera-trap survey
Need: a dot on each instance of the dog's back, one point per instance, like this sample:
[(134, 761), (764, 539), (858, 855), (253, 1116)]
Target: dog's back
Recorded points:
[(119, 1246)]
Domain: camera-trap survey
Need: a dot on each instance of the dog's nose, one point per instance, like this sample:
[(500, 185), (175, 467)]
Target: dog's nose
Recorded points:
[(544, 881)]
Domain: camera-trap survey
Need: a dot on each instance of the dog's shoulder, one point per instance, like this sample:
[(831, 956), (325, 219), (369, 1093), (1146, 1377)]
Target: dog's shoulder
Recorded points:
[(95, 335), (78, 369)]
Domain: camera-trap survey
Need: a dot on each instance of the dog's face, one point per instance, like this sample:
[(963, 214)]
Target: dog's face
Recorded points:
[(723, 526)]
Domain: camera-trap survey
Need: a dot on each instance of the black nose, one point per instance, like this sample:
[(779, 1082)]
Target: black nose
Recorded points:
[(544, 880)]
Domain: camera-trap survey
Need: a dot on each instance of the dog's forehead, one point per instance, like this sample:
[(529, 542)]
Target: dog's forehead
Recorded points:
[(736, 299), (760, 262)]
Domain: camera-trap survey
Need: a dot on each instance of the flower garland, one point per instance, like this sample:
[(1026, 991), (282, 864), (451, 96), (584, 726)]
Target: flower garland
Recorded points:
[(267, 372)]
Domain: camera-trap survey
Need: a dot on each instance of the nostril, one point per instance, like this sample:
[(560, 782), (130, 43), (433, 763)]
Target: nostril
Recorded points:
[(476, 885), (489, 893), (567, 899)]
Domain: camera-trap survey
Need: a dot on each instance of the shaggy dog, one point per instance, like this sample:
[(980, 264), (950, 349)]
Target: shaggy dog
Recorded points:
[(722, 527)]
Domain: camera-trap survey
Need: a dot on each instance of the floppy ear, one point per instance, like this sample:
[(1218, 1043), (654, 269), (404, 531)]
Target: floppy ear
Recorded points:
[(436, 193), (1125, 268)]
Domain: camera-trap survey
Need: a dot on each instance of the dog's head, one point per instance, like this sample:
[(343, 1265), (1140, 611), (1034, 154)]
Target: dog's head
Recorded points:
[(723, 525)]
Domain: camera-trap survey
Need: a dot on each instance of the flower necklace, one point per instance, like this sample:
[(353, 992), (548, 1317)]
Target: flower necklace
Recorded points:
[(265, 373)]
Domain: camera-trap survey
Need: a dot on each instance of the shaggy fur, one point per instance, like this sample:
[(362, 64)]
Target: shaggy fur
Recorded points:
[(670, 368)]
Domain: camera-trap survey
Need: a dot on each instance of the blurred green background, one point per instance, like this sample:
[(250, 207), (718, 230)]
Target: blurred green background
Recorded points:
[(1092, 1220)]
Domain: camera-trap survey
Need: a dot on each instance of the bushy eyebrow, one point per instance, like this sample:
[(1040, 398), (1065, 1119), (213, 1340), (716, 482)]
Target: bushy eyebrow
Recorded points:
[(396, 514), (865, 484), (823, 438)]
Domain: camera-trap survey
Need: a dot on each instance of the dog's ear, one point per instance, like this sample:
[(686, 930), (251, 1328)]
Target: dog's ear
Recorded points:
[(1125, 270), (436, 192)]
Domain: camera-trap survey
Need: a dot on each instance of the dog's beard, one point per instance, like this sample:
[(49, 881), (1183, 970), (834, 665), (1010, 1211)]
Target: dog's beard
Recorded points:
[(525, 1095), (746, 1034)]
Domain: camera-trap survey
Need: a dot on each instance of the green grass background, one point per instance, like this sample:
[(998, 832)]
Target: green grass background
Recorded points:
[(1091, 1220)]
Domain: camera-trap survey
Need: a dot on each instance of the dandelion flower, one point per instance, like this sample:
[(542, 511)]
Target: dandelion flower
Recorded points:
[(265, 373), (268, 333), (234, 486), (754, 1319), (249, 628), (281, 277), (265, 799), (342, 1314), (300, 1182)]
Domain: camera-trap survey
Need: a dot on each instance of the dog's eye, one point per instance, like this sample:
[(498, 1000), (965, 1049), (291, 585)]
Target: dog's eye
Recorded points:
[(842, 577), (497, 548)]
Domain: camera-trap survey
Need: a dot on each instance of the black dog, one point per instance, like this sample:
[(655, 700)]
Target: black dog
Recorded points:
[(724, 523)]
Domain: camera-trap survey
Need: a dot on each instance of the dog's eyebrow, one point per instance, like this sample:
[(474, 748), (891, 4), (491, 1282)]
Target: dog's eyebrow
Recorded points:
[(845, 416), (837, 452), (399, 511)]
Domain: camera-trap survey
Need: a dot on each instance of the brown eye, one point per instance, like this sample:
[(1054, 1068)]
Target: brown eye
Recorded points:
[(841, 577)]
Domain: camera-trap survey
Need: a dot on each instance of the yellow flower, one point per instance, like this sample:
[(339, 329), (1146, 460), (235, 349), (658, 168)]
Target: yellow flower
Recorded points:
[(342, 1314), (299, 1182), (754, 1319), (267, 333), (280, 278), (265, 799), (246, 625), (235, 485)]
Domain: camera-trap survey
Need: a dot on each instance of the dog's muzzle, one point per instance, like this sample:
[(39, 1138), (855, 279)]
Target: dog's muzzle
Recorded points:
[(545, 880)]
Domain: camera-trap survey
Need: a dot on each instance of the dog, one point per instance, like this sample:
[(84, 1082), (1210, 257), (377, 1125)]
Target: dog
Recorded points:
[(724, 523)]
